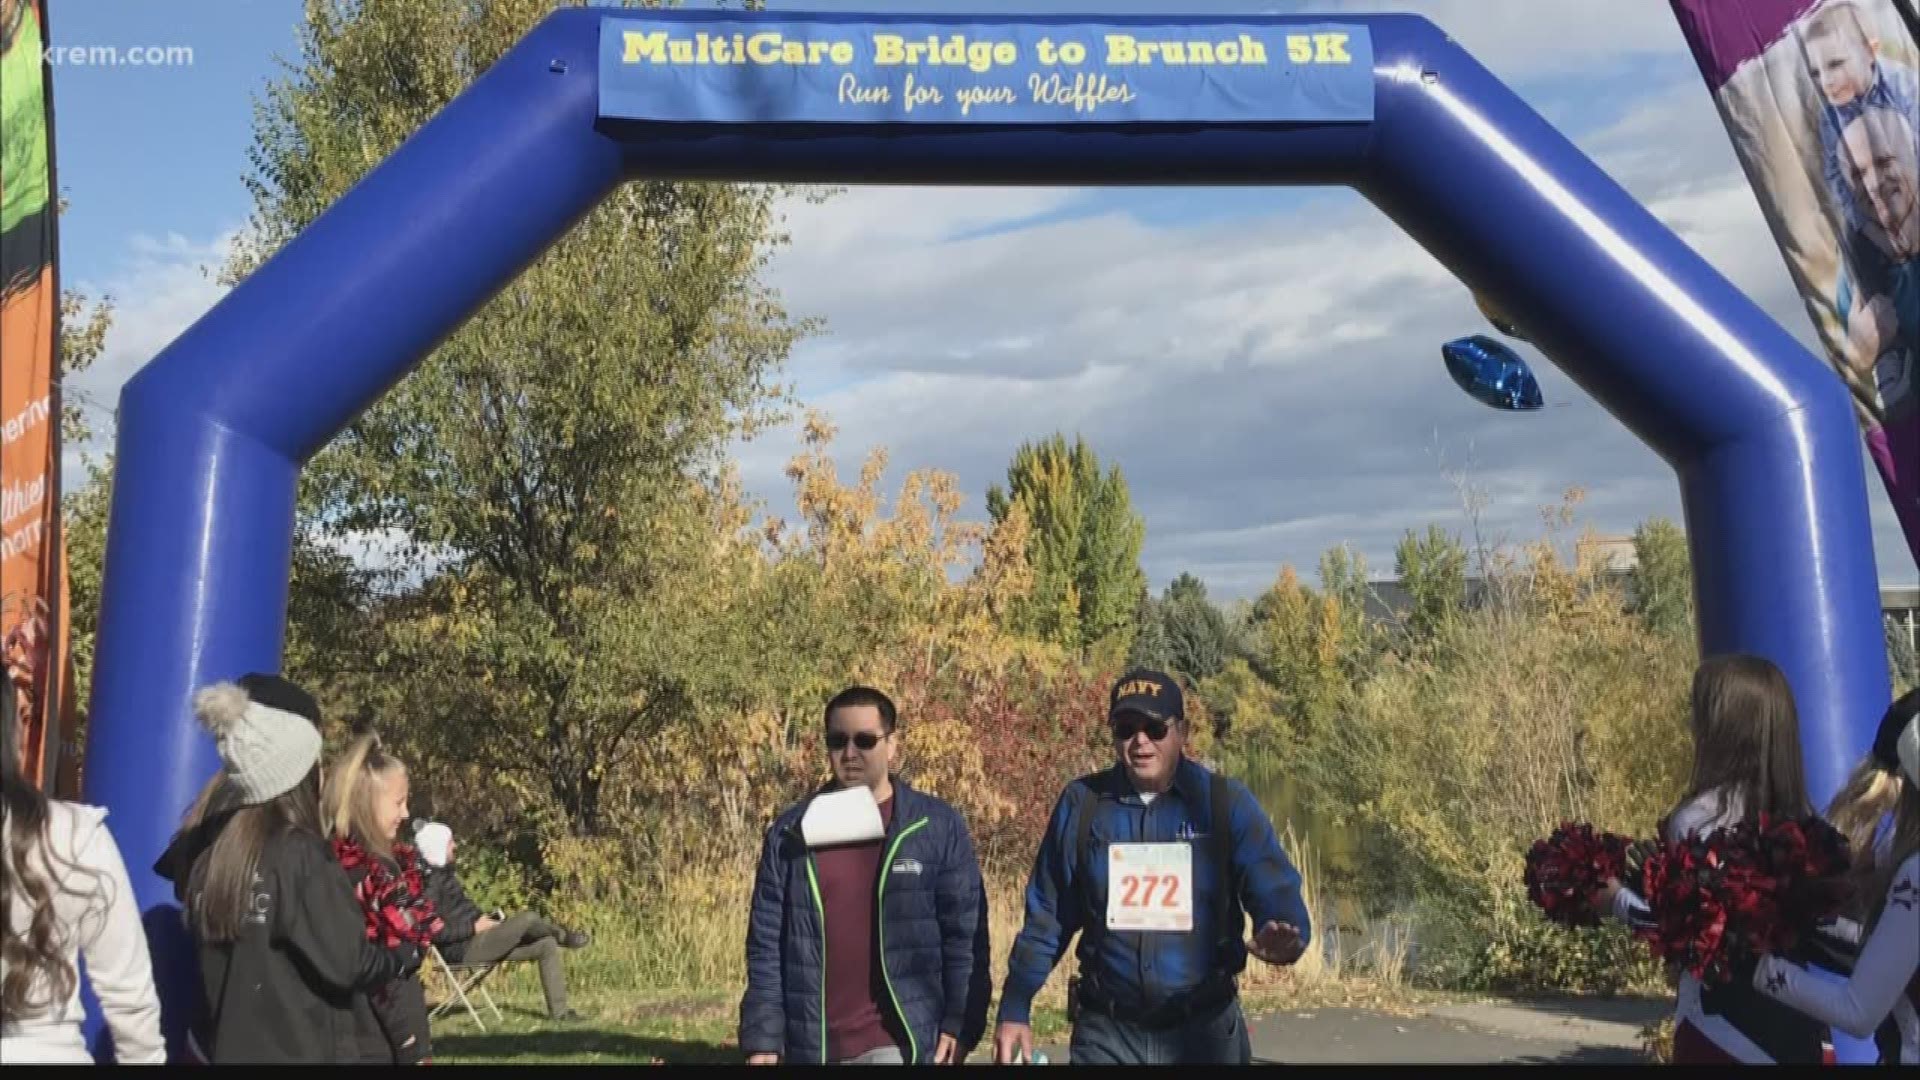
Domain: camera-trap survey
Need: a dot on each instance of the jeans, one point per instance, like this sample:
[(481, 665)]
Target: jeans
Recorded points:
[(1219, 1038), (883, 1055), (525, 937)]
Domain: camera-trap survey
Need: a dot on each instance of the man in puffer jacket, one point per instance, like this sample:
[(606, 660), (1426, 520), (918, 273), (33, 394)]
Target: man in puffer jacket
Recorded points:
[(868, 946)]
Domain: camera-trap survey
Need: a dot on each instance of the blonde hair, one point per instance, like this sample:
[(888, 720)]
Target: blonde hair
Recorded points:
[(1871, 794), (347, 798), (1825, 20)]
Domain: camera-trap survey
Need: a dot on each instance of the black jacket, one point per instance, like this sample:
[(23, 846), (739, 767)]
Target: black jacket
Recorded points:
[(284, 990), (455, 908), (391, 1019)]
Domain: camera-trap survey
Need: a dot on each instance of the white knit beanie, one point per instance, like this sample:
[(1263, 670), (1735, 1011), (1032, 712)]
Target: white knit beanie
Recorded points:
[(268, 751), (435, 842)]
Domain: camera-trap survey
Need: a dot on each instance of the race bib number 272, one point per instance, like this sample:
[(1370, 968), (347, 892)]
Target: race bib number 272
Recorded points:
[(1150, 887)]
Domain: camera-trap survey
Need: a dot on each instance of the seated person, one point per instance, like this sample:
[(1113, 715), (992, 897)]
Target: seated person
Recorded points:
[(472, 937)]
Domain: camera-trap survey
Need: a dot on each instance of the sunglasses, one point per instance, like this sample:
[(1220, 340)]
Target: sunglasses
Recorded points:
[(1125, 730), (865, 740)]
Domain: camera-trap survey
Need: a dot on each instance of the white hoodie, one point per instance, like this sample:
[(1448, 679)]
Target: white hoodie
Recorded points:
[(95, 916)]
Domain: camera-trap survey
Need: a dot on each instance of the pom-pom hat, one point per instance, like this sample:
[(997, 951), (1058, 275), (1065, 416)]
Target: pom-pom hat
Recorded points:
[(267, 732)]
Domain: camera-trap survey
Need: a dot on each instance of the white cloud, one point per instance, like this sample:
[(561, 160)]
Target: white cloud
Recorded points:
[(1525, 39), (159, 286), (1269, 382)]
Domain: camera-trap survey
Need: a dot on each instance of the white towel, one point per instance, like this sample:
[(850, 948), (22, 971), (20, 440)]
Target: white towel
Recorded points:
[(847, 816)]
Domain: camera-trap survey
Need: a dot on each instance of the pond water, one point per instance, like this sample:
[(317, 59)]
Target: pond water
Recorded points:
[(1351, 931)]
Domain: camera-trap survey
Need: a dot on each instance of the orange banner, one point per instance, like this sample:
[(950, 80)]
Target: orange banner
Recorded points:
[(33, 615)]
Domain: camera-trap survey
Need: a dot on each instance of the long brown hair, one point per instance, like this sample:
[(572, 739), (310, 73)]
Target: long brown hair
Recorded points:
[(352, 785), (37, 954), (1746, 739), (220, 893)]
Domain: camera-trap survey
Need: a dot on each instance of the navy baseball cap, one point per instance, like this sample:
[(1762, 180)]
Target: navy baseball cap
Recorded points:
[(1149, 693)]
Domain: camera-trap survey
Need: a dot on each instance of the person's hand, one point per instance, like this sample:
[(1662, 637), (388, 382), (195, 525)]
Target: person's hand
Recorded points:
[(1603, 896), (410, 958), (1277, 943), (484, 923), (763, 1059), (947, 1050), (1012, 1042)]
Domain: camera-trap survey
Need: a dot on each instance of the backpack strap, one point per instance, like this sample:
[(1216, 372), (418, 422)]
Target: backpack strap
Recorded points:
[(1220, 838), (1086, 801)]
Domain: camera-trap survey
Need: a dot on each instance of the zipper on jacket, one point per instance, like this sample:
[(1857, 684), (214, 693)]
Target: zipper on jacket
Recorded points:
[(813, 884), (880, 906)]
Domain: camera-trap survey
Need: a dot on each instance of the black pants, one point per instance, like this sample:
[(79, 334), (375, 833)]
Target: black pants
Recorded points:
[(525, 936)]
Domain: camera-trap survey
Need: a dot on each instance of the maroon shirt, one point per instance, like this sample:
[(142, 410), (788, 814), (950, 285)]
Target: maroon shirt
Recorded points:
[(859, 1016)]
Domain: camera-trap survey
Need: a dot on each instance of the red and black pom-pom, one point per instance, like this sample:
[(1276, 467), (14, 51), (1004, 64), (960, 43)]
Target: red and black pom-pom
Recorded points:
[(396, 906), (1566, 869), (1716, 903)]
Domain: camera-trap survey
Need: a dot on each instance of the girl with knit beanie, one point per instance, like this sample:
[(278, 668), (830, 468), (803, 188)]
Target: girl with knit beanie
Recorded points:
[(364, 805), (282, 946)]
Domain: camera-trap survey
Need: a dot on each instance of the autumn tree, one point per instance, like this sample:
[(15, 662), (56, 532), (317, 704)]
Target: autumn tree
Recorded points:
[(1297, 652), (547, 483), (1083, 546)]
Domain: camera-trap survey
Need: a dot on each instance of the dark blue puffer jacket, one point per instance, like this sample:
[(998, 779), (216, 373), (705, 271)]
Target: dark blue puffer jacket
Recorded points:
[(933, 935)]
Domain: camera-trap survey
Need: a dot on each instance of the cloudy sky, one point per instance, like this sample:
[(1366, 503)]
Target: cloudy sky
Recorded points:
[(1262, 363)]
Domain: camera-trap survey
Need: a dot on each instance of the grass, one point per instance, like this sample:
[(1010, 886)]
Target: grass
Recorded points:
[(640, 1028)]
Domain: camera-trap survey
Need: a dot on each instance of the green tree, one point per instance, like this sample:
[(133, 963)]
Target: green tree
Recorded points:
[(1083, 545), (1343, 581), (1151, 648), (1663, 579), (1199, 640), (84, 323), (1433, 571), (548, 481)]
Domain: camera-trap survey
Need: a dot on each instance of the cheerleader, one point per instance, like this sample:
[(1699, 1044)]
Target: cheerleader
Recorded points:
[(364, 803), (1883, 991), (1746, 762)]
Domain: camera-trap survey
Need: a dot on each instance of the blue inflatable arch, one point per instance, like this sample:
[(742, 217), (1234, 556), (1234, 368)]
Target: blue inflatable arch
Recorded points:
[(213, 432)]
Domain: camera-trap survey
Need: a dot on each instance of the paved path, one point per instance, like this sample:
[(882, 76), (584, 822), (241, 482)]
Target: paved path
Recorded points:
[(1575, 1031)]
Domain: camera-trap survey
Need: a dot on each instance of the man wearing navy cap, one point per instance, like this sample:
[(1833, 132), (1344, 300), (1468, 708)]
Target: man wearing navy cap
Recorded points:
[(1156, 863)]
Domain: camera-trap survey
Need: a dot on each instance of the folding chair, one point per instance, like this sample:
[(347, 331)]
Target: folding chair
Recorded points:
[(465, 979)]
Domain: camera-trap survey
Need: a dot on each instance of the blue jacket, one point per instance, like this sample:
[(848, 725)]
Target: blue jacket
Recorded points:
[(1146, 970), (933, 935)]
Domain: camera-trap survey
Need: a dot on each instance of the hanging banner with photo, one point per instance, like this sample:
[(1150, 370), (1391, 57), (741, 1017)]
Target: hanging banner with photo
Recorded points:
[(33, 616), (1822, 100)]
